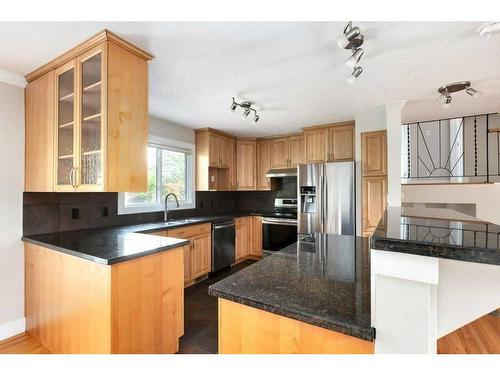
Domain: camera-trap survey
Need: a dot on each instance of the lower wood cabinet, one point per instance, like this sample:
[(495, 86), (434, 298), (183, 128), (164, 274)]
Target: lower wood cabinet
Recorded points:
[(255, 236), (198, 254), (248, 237), (374, 202), (242, 247), (76, 306)]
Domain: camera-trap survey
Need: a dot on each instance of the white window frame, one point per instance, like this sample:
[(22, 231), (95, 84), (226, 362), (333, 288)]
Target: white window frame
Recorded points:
[(190, 183)]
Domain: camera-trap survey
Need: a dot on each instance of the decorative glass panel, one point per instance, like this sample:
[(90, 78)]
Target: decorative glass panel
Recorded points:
[(65, 116)]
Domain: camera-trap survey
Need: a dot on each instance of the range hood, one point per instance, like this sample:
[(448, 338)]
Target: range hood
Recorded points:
[(284, 172)]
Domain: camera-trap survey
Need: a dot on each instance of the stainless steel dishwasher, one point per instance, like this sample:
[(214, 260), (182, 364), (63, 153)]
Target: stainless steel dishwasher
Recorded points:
[(223, 244)]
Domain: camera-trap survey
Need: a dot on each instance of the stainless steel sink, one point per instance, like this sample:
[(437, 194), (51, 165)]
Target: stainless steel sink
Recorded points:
[(183, 221)]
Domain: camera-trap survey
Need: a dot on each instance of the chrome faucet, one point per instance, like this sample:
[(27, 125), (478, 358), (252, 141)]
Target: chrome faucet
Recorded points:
[(166, 204)]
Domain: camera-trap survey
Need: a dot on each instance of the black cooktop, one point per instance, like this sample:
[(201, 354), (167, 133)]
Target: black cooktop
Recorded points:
[(281, 214)]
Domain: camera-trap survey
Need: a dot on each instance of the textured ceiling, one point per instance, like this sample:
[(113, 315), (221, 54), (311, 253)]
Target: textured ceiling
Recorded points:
[(293, 72)]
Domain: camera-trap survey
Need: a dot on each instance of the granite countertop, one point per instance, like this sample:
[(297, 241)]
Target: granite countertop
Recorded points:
[(425, 232), (322, 279), (118, 244)]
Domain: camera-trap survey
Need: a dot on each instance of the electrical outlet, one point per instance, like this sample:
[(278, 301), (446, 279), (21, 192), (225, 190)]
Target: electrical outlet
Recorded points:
[(75, 213), (104, 211)]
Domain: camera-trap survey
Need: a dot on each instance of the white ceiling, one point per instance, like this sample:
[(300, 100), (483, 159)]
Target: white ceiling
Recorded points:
[(293, 72)]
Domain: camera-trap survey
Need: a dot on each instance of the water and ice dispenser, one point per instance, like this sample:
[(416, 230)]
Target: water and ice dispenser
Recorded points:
[(308, 199)]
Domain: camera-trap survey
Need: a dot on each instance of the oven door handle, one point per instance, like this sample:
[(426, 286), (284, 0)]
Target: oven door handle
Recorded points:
[(279, 222)]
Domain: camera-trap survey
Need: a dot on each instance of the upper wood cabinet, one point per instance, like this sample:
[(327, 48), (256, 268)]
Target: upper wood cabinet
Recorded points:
[(263, 164), (286, 151), (246, 151), (215, 160), (94, 101), (329, 143), (374, 153)]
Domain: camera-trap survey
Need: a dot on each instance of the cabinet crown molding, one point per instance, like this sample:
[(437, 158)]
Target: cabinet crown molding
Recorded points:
[(102, 36)]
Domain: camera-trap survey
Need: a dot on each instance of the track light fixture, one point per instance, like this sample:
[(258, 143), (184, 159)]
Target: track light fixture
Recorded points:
[(451, 88), (352, 39), (355, 74), (247, 109), (489, 30)]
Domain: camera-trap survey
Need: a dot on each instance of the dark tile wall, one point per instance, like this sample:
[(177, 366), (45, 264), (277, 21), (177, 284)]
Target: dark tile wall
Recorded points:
[(59, 212)]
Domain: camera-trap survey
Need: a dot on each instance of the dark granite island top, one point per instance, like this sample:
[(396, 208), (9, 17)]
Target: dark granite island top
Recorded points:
[(425, 232), (118, 244), (322, 279)]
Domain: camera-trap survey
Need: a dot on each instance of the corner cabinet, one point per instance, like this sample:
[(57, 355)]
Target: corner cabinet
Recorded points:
[(99, 121)]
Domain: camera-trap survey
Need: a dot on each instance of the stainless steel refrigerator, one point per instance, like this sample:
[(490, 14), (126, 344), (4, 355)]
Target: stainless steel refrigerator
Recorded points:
[(326, 198)]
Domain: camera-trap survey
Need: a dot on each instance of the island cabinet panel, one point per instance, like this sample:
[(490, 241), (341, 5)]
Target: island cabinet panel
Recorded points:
[(94, 99), (78, 306), (247, 330), (247, 160), (148, 304)]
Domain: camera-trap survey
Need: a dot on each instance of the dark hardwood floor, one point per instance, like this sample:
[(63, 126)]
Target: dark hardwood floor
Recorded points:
[(200, 315)]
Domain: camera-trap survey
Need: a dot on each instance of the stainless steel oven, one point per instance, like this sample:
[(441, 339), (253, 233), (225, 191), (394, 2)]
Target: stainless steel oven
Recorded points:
[(278, 233), (279, 228)]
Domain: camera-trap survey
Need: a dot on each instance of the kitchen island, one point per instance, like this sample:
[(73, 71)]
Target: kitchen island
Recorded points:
[(113, 289), (312, 297), (431, 273)]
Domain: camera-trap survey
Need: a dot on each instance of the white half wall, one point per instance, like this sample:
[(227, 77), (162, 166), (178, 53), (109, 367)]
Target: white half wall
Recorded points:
[(11, 209)]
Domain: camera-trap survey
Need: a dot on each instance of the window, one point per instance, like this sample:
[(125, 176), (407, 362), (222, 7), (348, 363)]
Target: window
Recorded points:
[(170, 170)]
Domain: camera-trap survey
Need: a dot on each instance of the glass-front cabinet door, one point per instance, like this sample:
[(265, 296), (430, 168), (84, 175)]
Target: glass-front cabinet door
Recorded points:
[(81, 88), (91, 116), (66, 127)]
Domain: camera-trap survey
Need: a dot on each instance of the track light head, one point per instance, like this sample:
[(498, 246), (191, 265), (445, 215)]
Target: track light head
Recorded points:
[(446, 100), (355, 74), (351, 37), (246, 112), (256, 118), (233, 105), (352, 61), (473, 92)]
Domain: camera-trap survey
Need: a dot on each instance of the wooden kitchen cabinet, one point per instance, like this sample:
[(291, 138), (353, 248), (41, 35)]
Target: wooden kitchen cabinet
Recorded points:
[(286, 151), (246, 164), (373, 180), (374, 202), (263, 164), (201, 255), (341, 140), (98, 103), (296, 152), (242, 246), (329, 143), (198, 254), (374, 153), (215, 160), (255, 236), (280, 149)]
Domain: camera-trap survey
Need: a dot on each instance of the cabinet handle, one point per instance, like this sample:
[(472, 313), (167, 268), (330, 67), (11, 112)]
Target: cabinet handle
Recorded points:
[(71, 177)]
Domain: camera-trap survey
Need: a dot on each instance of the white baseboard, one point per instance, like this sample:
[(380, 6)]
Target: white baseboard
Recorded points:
[(12, 328)]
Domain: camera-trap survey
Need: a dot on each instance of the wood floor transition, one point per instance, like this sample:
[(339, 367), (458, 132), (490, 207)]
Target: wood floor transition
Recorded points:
[(482, 336)]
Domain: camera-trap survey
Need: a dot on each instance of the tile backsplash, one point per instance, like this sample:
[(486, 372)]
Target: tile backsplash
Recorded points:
[(59, 212)]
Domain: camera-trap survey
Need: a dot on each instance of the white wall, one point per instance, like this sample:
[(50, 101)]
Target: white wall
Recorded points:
[(393, 124), (165, 129), (11, 207)]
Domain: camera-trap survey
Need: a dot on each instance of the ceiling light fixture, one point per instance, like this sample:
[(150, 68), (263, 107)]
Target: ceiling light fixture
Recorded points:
[(490, 29), (451, 88), (355, 74), (247, 109), (352, 39)]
